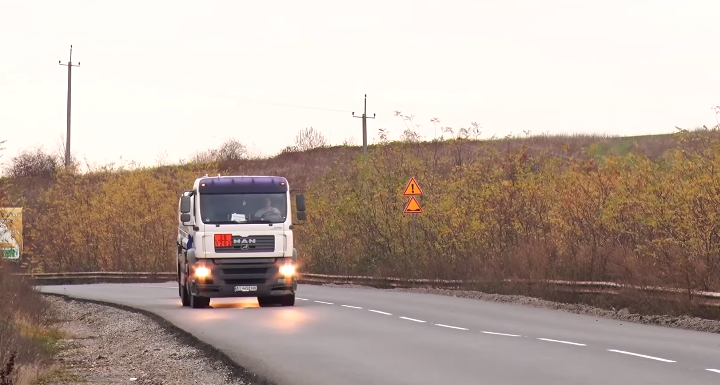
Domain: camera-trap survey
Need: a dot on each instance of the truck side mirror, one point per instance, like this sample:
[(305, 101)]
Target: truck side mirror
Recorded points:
[(301, 215), (185, 204), (300, 203), (184, 217)]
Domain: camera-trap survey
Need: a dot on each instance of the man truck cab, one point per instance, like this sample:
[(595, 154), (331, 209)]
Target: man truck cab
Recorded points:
[(235, 239)]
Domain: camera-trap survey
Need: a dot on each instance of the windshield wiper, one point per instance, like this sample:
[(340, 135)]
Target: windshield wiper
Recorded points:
[(221, 223), (254, 221)]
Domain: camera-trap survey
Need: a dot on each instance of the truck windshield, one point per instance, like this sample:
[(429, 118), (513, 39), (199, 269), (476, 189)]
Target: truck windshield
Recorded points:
[(243, 208)]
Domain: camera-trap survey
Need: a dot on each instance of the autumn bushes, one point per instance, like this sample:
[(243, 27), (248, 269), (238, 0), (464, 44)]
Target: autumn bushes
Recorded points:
[(524, 214), (573, 208), (120, 219), (110, 220)]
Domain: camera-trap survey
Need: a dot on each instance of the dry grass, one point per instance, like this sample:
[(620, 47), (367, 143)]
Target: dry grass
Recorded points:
[(44, 374), (27, 338)]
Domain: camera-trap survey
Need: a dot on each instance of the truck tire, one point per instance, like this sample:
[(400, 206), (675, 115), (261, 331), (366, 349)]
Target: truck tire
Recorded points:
[(197, 302), (287, 300), (267, 301), (184, 295), (182, 290)]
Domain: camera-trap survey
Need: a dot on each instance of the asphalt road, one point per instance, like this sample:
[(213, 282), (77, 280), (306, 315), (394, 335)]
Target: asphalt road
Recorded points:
[(364, 336)]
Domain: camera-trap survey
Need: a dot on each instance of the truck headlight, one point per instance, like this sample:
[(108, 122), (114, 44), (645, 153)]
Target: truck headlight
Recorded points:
[(287, 270), (202, 272)]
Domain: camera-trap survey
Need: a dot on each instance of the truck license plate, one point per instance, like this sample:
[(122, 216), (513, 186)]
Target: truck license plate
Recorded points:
[(245, 288)]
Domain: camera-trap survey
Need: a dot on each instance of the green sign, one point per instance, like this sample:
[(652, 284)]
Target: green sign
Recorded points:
[(10, 253), (11, 235)]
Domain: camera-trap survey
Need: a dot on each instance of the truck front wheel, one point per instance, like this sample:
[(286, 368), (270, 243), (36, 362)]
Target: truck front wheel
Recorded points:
[(199, 302), (184, 295), (195, 301), (182, 290), (288, 300), (267, 301)]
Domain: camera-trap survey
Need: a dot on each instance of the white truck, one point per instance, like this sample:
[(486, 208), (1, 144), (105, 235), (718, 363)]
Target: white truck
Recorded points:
[(235, 239)]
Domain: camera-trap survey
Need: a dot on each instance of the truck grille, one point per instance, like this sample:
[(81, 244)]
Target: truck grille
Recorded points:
[(242, 271), (249, 244)]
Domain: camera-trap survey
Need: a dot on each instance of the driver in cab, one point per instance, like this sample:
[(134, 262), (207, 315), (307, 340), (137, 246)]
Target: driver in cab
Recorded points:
[(267, 209)]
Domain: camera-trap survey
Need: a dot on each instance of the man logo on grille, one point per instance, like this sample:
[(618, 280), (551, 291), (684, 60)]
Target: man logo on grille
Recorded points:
[(244, 241)]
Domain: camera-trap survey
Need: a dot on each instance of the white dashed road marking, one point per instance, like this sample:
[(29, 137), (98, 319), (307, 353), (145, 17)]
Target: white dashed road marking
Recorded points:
[(640, 355), (451, 327), (493, 333), (562, 342), (502, 334), (158, 287)]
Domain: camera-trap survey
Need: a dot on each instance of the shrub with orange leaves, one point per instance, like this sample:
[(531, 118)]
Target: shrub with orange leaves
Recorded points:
[(577, 208), (524, 214)]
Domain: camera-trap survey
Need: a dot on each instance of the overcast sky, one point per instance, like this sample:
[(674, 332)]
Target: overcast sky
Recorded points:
[(182, 76)]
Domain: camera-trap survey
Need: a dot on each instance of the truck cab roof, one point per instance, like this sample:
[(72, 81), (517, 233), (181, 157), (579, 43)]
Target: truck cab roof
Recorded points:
[(241, 184)]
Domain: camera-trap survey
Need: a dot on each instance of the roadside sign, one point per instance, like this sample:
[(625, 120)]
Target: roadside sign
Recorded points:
[(11, 237), (412, 188), (413, 207)]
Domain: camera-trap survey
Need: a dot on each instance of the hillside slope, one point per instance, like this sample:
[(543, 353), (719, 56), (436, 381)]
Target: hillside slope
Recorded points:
[(638, 210)]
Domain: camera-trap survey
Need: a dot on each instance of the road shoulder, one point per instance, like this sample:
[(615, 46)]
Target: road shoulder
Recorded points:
[(105, 343)]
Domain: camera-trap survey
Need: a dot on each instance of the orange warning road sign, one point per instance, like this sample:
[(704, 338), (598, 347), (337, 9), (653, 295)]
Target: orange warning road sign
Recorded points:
[(413, 207), (412, 188)]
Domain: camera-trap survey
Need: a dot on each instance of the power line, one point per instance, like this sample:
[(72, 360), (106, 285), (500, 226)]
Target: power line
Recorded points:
[(364, 123), (227, 96), (29, 72), (283, 104), (69, 65), (196, 90)]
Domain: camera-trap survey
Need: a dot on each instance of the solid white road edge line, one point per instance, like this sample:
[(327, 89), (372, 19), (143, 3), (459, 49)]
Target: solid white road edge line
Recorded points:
[(451, 327), (353, 307), (562, 342), (326, 303), (501, 334), (640, 355), (713, 370), (412, 319), (380, 312)]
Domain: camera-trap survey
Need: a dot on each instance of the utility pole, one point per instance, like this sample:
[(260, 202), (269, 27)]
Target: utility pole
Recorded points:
[(69, 65), (364, 123)]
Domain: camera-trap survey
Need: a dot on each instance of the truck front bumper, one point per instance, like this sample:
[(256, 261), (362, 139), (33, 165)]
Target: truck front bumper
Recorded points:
[(230, 290), (242, 277)]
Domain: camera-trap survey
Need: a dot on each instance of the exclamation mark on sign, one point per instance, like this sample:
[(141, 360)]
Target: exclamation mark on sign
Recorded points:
[(412, 188)]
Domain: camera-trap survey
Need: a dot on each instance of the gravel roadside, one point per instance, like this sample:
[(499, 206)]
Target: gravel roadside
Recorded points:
[(680, 322), (107, 345)]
